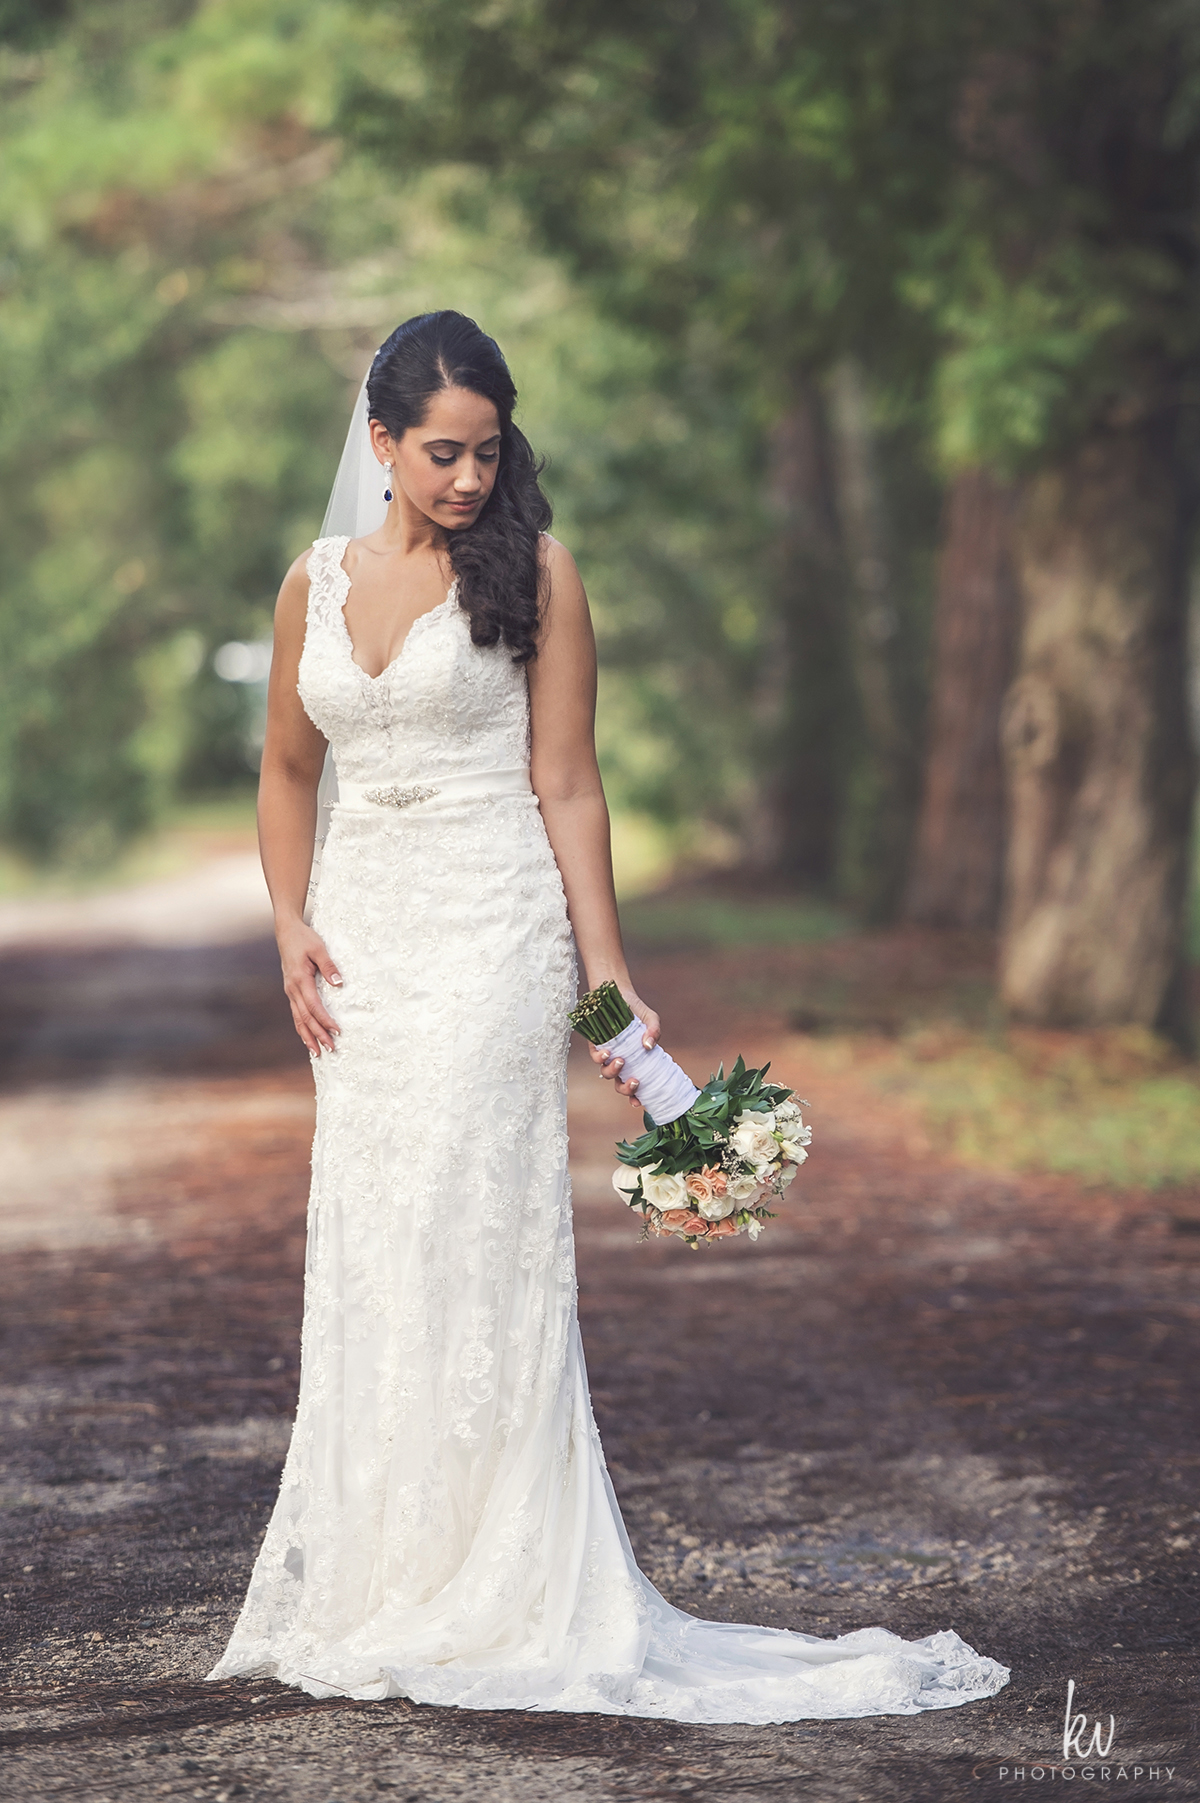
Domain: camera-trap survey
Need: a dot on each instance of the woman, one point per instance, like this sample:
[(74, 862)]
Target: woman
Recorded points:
[(445, 1528)]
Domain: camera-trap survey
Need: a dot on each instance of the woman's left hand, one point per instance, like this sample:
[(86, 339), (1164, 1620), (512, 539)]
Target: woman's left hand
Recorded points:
[(611, 1067)]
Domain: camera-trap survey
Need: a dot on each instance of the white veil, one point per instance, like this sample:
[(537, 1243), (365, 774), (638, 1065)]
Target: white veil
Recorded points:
[(356, 503), (356, 507)]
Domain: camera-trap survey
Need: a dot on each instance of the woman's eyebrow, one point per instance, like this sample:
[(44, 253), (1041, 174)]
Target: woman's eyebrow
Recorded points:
[(458, 443)]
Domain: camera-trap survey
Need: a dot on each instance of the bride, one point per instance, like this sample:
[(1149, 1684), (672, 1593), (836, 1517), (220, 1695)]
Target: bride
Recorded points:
[(446, 1529)]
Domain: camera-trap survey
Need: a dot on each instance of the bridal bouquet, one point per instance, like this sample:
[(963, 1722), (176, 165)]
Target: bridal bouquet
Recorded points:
[(712, 1158)]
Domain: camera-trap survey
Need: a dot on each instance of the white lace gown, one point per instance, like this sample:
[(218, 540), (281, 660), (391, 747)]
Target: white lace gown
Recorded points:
[(446, 1529)]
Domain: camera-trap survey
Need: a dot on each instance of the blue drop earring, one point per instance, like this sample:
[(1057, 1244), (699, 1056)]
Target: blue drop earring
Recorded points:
[(387, 488)]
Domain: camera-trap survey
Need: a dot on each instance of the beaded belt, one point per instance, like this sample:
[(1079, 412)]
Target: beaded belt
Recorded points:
[(458, 785)]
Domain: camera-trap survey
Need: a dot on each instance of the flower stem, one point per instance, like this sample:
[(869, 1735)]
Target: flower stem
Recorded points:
[(601, 1014)]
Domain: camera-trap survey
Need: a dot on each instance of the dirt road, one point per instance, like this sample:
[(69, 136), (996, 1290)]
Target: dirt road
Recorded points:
[(927, 1398)]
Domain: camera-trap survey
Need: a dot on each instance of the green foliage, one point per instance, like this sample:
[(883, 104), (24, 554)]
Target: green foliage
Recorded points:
[(1027, 361), (137, 529), (1061, 278), (697, 177), (990, 209), (194, 275), (678, 221), (696, 1137), (702, 921), (1114, 1109)]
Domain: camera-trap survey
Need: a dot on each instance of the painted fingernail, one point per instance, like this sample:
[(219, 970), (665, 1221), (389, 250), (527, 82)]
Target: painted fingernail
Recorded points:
[(334, 978)]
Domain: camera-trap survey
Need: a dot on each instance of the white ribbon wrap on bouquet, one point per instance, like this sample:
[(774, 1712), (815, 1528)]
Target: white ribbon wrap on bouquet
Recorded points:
[(664, 1091)]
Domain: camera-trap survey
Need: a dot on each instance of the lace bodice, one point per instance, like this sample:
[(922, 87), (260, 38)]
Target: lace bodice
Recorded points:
[(442, 705)]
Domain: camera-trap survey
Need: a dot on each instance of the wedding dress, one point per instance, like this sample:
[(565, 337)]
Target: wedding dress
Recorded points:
[(446, 1529)]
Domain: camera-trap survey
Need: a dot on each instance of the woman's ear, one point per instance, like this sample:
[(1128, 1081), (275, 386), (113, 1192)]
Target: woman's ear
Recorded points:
[(381, 442)]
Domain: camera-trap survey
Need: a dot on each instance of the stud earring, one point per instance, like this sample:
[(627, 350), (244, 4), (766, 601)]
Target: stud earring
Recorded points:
[(387, 489)]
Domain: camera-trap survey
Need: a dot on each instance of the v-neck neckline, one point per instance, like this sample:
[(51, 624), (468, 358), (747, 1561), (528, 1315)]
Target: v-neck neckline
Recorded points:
[(429, 614)]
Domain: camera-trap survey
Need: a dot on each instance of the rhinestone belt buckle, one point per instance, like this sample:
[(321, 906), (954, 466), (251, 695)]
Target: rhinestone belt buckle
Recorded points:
[(395, 797)]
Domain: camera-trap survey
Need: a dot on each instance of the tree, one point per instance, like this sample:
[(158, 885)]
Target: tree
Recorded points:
[(153, 460), (1096, 738), (804, 686), (713, 174), (846, 252), (1021, 177), (956, 877), (196, 271), (1069, 307)]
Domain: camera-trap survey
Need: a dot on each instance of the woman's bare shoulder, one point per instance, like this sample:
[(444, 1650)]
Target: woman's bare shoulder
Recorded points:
[(552, 553), (562, 572)]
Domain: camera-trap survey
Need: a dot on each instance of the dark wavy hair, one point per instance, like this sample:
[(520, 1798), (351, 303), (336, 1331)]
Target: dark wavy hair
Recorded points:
[(495, 559)]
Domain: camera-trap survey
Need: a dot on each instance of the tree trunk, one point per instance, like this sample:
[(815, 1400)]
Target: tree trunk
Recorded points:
[(874, 620), (957, 870), (1096, 741), (804, 693)]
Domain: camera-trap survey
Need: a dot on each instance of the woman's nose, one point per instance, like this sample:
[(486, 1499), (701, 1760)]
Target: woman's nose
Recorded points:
[(468, 478)]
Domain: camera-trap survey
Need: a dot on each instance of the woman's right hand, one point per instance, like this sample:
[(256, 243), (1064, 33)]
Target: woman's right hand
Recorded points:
[(611, 1067), (303, 955)]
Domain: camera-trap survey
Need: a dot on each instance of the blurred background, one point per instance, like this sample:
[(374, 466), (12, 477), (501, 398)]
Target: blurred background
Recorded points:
[(862, 338), (863, 345)]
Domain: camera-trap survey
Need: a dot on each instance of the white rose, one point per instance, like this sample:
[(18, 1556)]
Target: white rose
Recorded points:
[(625, 1181), (715, 1208), (663, 1189), (755, 1143), (762, 1117), (740, 1189)]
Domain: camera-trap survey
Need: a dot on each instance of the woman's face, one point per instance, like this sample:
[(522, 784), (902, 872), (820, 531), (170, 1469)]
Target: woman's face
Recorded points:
[(445, 467)]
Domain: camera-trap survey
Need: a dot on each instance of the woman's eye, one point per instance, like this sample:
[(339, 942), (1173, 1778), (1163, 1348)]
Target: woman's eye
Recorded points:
[(489, 456), (444, 461)]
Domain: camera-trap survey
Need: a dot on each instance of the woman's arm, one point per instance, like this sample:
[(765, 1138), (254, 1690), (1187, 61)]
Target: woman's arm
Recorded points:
[(293, 757), (566, 781)]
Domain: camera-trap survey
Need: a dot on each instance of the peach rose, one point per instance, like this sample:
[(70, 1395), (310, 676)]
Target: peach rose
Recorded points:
[(720, 1230), (711, 1201), (679, 1220)]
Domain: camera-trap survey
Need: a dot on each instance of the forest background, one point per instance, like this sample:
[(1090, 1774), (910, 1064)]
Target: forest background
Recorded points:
[(863, 343)]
